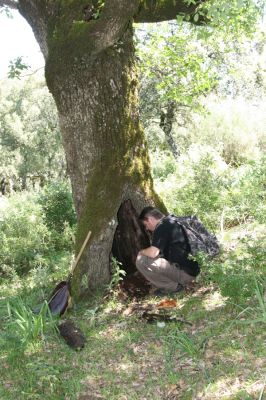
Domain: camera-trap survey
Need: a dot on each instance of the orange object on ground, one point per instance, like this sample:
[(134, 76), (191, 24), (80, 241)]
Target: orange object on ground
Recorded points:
[(166, 303)]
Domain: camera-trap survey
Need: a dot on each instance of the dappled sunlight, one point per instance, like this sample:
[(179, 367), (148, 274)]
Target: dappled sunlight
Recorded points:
[(3, 203), (10, 288), (213, 301), (115, 331), (228, 388)]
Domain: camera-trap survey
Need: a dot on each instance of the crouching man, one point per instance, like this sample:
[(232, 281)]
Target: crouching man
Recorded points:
[(165, 264)]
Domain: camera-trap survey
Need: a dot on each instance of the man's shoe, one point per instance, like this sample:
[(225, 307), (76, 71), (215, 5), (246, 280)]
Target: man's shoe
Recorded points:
[(179, 288), (163, 292), (159, 293)]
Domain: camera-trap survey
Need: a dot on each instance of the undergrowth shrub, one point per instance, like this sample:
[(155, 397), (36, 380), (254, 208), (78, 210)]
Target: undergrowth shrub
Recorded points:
[(29, 240), (251, 196), (219, 194), (57, 204), (232, 126), (236, 272), (59, 214), (198, 186), (163, 164), (23, 235)]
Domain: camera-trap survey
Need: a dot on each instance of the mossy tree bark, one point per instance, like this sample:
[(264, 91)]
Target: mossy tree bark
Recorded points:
[(105, 148), (91, 73)]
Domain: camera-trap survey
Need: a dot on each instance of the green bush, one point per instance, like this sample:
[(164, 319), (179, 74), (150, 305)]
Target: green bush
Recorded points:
[(232, 126), (24, 238), (57, 204), (28, 235), (59, 214), (251, 190), (219, 194), (236, 273), (198, 186), (163, 164)]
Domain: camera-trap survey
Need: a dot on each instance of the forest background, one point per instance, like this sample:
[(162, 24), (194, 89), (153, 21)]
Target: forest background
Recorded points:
[(204, 114)]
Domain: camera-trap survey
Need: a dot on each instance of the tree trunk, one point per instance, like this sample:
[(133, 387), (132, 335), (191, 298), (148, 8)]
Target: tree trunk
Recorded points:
[(166, 124), (91, 73), (105, 149)]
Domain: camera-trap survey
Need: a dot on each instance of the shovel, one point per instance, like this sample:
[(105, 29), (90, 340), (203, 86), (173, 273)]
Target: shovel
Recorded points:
[(60, 299)]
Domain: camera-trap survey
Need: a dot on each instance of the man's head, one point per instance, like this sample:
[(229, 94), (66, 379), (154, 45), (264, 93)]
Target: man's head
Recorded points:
[(150, 217)]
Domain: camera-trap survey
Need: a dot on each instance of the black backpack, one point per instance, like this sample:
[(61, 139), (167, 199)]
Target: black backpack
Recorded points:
[(199, 239)]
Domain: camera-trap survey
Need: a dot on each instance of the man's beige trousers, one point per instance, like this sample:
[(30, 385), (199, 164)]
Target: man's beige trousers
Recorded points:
[(162, 274)]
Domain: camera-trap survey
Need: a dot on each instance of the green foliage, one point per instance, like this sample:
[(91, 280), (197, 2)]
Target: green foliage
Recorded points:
[(234, 17), (117, 273), (178, 340), (30, 142), (252, 188), (163, 164), (197, 186), (59, 214), (57, 204), (182, 64), (16, 67), (256, 312), (261, 301), (174, 67), (27, 241), (28, 326), (220, 195), (237, 270), (24, 238), (234, 127)]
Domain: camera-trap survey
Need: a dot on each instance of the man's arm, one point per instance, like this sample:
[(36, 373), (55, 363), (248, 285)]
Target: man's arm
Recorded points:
[(151, 252)]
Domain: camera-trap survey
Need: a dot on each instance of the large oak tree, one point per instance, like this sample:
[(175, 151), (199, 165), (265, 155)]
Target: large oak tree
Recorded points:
[(90, 70)]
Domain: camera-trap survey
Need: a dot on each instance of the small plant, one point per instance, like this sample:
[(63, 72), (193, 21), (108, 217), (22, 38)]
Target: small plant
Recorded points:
[(261, 301), (117, 273), (91, 314), (185, 344), (259, 309), (27, 325), (178, 340)]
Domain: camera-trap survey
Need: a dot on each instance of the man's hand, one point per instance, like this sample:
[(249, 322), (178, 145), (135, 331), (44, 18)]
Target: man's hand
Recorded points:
[(151, 252)]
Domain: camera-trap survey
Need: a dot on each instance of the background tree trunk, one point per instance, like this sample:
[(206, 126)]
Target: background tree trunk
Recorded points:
[(167, 119), (105, 149)]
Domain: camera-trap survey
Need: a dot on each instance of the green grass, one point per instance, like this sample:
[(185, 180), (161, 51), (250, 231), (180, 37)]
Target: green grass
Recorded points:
[(221, 355)]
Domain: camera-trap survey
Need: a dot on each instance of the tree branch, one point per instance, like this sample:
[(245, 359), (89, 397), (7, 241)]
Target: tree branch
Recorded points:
[(114, 18), (37, 19), (9, 3), (157, 10)]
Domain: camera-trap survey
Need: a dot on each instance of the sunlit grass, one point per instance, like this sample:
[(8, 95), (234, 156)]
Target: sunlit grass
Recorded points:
[(216, 355)]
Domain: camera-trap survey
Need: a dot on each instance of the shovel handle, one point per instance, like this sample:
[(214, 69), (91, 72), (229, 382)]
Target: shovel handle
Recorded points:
[(81, 251)]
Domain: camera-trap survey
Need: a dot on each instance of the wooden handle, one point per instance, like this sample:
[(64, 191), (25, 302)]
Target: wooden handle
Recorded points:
[(81, 251)]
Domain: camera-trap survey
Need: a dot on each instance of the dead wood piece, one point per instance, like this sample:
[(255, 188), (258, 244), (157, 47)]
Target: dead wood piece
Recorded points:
[(72, 335)]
